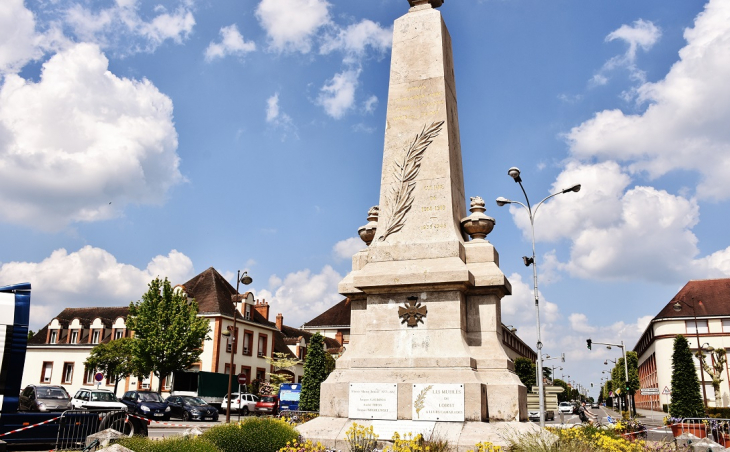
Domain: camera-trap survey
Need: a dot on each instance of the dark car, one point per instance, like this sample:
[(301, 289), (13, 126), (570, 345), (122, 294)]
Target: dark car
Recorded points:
[(267, 404), (191, 408), (147, 404), (44, 398)]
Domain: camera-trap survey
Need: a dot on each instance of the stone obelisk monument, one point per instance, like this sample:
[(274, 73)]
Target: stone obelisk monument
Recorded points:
[(426, 336)]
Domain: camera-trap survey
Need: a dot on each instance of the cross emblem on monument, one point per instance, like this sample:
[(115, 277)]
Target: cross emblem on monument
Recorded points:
[(413, 312)]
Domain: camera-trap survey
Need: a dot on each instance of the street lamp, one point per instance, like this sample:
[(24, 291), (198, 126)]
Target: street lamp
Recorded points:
[(677, 308), (246, 280), (514, 173), (626, 368), (605, 363)]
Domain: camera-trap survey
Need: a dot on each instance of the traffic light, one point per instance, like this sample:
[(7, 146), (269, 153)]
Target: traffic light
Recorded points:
[(588, 342)]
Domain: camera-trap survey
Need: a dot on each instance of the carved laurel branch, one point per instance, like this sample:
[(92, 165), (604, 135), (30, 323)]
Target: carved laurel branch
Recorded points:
[(421, 399), (400, 197)]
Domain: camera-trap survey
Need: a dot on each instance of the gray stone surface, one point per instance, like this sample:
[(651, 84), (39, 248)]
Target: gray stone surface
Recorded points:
[(105, 437), (419, 250), (331, 432), (115, 448)]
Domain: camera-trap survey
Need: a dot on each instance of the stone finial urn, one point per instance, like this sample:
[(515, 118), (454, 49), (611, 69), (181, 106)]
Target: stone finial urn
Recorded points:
[(434, 3), (477, 225), (367, 232)]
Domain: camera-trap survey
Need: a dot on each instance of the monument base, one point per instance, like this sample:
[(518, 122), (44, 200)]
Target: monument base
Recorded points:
[(462, 436)]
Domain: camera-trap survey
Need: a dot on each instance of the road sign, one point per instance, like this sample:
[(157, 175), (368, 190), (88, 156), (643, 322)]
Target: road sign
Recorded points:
[(242, 379), (649, 391), (98, 376), (666, 391)]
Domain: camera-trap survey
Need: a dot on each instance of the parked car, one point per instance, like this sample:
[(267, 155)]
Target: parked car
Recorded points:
[(97, 399), (565, 408), (44, 398), (147, 404), (595, 405), (191, 408), (267, 404), (246, 403)]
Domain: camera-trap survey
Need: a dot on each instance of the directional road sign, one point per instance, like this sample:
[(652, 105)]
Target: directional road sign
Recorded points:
[(649, 391)]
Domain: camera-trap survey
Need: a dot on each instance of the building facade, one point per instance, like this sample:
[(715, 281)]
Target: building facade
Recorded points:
[(701, 312), (56, 354)]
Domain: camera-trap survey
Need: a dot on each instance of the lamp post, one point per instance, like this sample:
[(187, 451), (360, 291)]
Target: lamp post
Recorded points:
[(246, 280), (514, 173), (562, 360), (626, 367), (605, 363), (677, 308)]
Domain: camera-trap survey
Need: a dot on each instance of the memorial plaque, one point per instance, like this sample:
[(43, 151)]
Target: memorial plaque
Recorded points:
[(432, 402), (373, 401)]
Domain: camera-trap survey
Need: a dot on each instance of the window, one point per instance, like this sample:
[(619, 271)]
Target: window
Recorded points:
[(227, 369), (726, 326), (231, 343), (47, 371), (146, 383), (167, 382), (74, 337), (701, 327), (89, 376), (247, 342), (68, 373), (262, 344), (95, 337), (118, 334), (260, 374), (54, 337), (247, 314)]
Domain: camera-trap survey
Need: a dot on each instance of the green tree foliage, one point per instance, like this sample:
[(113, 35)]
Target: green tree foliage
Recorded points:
[(526, 370), (565, 395), (114, 359), (686, 397), (168, 333), (30, 334), (315, 372), (281, 361)]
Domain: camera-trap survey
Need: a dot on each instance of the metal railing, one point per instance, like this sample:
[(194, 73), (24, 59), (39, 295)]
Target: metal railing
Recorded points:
[(74, 426)]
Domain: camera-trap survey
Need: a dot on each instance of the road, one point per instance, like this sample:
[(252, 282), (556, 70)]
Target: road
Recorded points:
[(654, 422)]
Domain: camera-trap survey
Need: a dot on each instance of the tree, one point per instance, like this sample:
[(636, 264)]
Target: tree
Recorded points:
[(30, 334), (565, 395), (315, 372), (718, 359), (526, 370), (114, 359), (686, 398), (168, 333), (280, 361), (618, 375)]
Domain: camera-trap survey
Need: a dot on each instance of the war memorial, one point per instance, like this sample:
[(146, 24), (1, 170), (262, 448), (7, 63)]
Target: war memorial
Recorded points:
[(425, 353)]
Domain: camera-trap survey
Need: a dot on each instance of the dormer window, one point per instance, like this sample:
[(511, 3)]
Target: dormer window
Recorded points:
[(247, 314), (54, 337), (118, 334), (74, 337), (95, 337)]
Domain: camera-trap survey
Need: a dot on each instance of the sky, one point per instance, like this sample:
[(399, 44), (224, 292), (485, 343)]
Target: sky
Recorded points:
[(142, 139)]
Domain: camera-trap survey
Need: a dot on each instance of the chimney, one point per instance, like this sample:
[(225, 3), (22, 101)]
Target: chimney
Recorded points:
[(263, 308), (339, 338), (279, 321)]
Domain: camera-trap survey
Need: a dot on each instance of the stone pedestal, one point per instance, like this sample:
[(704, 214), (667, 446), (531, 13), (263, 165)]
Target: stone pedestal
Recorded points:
[(425, 299)]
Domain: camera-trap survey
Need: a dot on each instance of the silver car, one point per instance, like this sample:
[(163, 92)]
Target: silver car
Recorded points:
[(44, 398)]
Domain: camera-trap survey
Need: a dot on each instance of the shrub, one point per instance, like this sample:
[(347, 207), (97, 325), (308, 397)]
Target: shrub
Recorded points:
[(140, 444), (361, 438), (410, 443), (252, 435), (665, 408), (686, 396), (307, 446), (723, 413)]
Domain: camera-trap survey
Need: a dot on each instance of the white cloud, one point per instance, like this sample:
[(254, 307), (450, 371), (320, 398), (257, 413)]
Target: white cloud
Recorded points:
[(81, 143), (642, 34), (291, 24), (122, 28), (278, 119), (355, 38), (89, 277), (232, 43), (345, 249), (272, 108), (579, 323), (370, 104), (685, 125), (17, 36), (337, 96), (301, 296)]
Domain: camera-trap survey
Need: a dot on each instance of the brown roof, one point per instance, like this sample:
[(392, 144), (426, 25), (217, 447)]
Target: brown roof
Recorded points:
[(86, 316), (337, 315), (212, 293), (708, 297)]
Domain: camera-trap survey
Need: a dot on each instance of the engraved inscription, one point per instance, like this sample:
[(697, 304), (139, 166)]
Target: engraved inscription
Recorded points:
[(400, 198)]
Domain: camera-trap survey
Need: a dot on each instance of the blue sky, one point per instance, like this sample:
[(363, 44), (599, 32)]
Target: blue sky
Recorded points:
[(161, 138)]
